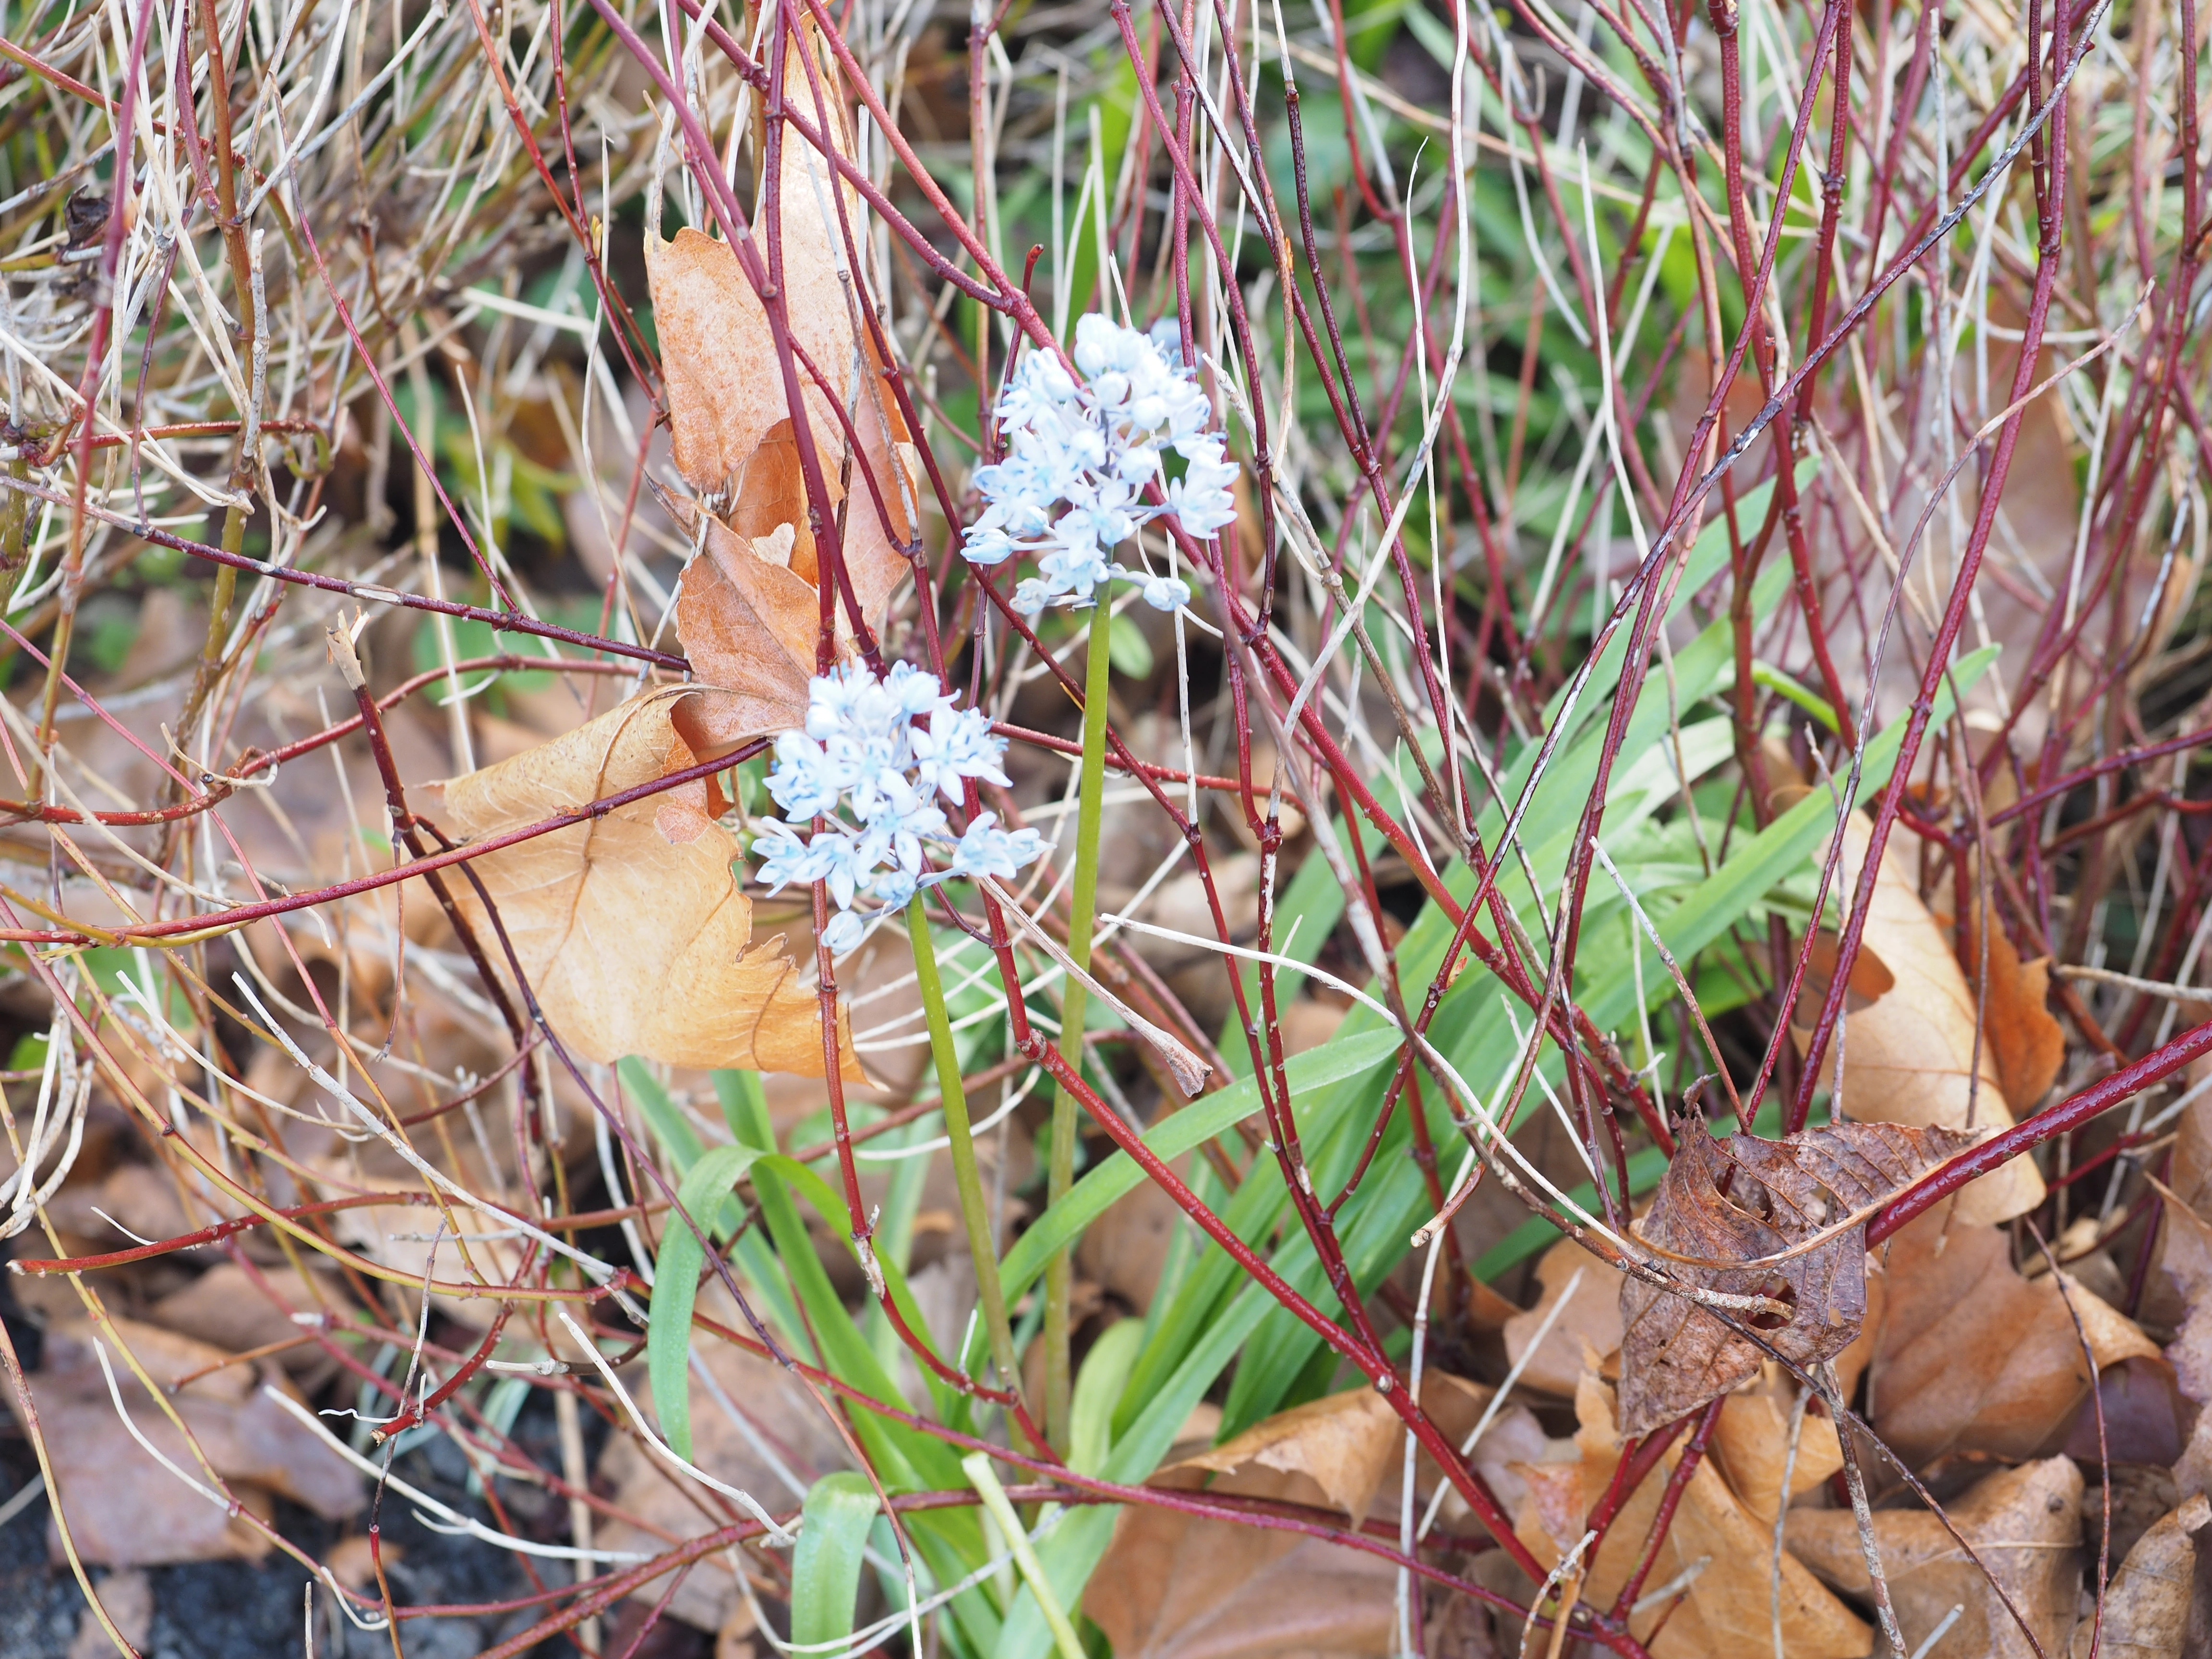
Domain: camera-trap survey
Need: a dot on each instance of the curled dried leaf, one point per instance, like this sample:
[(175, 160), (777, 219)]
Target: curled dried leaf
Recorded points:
[(2022, 1523), (124, 1508), (1973, 1356), (1910, 1055), (1781, 1207), (630, 926), (2025, 1042), (2147, 1604), (749, 612), (1178, 1586)]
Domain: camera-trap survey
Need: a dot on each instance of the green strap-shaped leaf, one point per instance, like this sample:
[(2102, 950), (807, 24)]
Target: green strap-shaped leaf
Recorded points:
[(705, 1195), (825, 1568), (1098, 1388), (665, 1117)]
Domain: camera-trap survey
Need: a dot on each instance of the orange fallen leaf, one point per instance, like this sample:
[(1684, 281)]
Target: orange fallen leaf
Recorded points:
[(1973, 1356), (1729, 1605), (1592, 1316), (1175, 1586), (1750, 1445), (2025, 1525), (630, 927), (2147, 1604), (724, 384), (1908, 1056), (2025, 1039), (1776, 1204), (750, 623), (749, 611)]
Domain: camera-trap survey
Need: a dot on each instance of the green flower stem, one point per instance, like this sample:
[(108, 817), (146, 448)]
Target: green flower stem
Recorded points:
[(972, 1210), (1083, 910)]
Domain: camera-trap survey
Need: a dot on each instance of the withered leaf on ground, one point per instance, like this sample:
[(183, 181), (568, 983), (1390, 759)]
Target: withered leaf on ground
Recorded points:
[(1745, 1199), (2147, 1604), (1909, 1056), (1175, 1586), (2186, 1254), (2026, 1042), (2022, 1522), (749, 610), (1592, 1317), (630, 927), (1974, 1358), (124, 1508), (1730, 1607), (1750, 1445)]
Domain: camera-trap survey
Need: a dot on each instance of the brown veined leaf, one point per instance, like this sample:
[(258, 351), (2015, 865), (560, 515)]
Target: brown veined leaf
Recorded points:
[(2147, 1604), (1175, 1586), (2025, 1040), (723, 380), (1908, 1057), (1973, 1356), (1728, 1609), (630, 927), (124, 1508), (1751, 1446), (2024, 1523), (1592, 1317), (1745, 1199), (749, 624), (750, 608)]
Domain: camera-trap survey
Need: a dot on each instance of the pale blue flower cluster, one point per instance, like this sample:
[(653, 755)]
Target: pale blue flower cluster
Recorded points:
[(864, 765), (1078, 458)]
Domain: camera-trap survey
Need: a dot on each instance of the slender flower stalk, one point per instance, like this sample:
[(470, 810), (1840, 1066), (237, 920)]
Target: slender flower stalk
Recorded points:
[(1083, 914), (983, 1245)]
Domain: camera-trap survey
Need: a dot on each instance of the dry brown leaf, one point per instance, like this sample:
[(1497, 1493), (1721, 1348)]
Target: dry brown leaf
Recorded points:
[(1751, 1444), (725, 386), (1972, 1357), (128, 1597), (2185, 1248), (2022, 1522), (630, 927), (1124, 1251), (1734, 1596), (1742, 1199), (749, 624), (1560, 1487), (1908, 1057), (1729, 1609), (1175, 1586), (124, 1508), (226, 1307), (2025, 1040), (1592, 1317), (2147, 1604), (750, 608)]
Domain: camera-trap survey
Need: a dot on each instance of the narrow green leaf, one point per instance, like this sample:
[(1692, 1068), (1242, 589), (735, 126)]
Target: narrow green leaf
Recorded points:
[(705, 1195), (669, 1125), (1098, 1388), (825, 1568)]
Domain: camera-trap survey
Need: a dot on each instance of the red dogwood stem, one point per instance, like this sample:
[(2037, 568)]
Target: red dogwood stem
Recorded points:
[(2071, 1113)]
